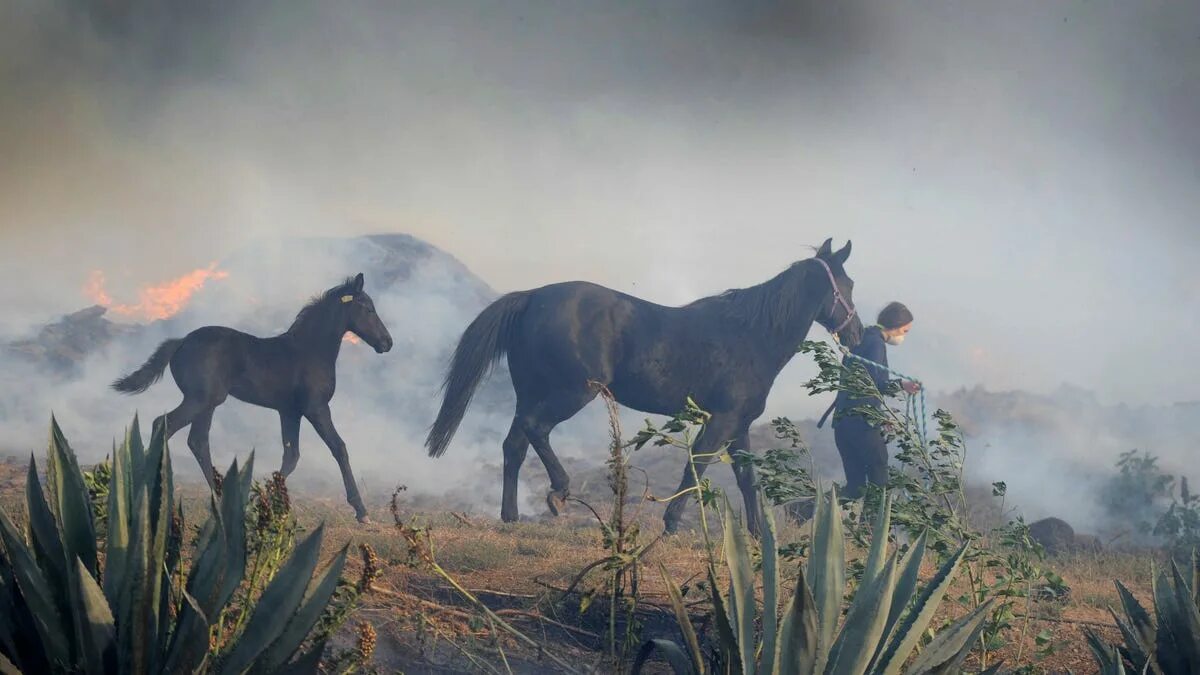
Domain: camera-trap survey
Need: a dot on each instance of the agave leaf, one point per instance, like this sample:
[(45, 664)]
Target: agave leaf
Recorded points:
[(860, 635), (727, 638), (909, 632), (1168, 650), (137, 459), (827, 570), (44, 539), (161, 584), (770, 576), (1186, 620), (36, 593), (277, 605), (685, 621), (1139, 619), (675, 656), (906, 588), (135, 643), (950, 647), (308, 662), (234, 497), (306, 617), (99, 634), (1107, 657), (798, 638), (879, 542), (741, 587), (120, 511), (70, 496), (189, 644), (153, 464), (1195, 578), (1135, 649), (205, 578), (10, 616)]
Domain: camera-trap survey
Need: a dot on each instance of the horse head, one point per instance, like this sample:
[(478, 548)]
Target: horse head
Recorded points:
[(361, 318), (837, 314)]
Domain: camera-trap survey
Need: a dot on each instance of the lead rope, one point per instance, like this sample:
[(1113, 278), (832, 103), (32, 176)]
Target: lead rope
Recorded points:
[(914, 405)]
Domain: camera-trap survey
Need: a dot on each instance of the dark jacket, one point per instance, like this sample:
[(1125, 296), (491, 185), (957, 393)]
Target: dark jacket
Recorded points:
[(872, 348)]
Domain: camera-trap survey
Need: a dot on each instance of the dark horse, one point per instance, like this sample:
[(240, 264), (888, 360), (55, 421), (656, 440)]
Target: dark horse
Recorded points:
[(724, 351), (293, 373)]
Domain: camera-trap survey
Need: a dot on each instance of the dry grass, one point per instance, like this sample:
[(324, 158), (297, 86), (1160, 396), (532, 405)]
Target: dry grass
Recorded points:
[(519, 570)]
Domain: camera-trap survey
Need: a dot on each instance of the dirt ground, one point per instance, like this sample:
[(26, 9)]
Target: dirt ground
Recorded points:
[(522, 570)]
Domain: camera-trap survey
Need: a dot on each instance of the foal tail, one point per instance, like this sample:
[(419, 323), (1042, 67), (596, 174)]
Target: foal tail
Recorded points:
[(150, 372), (482, 344)]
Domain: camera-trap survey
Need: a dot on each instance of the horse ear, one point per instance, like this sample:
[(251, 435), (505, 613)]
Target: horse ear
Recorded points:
[(826, 248), (358, 283), (841, 256)]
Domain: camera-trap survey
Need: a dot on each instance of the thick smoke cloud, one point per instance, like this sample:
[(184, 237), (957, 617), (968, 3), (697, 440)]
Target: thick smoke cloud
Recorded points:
[(1021, 174)]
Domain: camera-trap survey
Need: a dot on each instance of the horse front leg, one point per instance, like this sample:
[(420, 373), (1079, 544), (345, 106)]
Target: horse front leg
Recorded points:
[(322, 421), (744, 471), (716, 434)]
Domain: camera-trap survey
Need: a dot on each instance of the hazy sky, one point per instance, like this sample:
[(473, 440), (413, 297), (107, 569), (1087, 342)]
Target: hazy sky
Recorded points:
[(1025, 174)]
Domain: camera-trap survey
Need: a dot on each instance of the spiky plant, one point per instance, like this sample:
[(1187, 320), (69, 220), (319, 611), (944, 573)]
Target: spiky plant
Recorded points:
[(67, 608), (1167, 643), (884, 623)]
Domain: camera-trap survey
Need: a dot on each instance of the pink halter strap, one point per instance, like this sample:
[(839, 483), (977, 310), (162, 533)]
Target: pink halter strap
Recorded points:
[(838, 298)]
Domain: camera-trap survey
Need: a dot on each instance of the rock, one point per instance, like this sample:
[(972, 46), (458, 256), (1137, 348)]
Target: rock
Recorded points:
[(1054, 534)]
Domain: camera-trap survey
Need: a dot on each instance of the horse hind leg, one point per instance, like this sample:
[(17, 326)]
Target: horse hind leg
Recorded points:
[(537, 425), (290, 427), (516, 446)]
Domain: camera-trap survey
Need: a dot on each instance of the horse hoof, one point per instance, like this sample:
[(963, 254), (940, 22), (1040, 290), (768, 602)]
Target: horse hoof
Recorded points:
[(364, 519), (556, 501), (669, 529)]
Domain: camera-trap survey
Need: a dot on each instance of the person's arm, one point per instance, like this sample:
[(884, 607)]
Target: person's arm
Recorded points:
[(875, 350)]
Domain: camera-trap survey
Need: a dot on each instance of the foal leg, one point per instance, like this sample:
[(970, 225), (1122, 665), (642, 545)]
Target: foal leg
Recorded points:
[(714, 436), (322, 421), (198, 442), (516, 445), (179, 418), (289, 422)]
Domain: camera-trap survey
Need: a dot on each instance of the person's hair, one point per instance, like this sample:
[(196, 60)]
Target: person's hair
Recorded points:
[(895, 315)]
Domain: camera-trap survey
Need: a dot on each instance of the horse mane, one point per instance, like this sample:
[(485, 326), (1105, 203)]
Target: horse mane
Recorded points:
[(772, 305), (319, 302)]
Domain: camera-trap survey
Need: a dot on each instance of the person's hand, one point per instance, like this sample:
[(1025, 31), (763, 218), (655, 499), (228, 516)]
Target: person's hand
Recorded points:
[(910, 386)]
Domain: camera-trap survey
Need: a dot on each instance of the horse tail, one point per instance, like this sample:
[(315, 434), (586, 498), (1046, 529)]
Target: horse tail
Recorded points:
[(151, 371), (482, 344)]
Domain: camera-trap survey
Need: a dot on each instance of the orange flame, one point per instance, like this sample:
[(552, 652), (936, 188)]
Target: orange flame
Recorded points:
[(154, 302)]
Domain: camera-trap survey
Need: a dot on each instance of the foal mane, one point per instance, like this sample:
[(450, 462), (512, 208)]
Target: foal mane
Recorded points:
[(772, 305), (319, 303)]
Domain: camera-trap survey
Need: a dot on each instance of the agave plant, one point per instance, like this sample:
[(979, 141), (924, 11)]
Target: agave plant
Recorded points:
[(69, 605), (883, 625), (1169, 644)]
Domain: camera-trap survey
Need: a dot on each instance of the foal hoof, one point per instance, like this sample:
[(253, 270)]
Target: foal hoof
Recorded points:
[(556, 501), (364, 519)]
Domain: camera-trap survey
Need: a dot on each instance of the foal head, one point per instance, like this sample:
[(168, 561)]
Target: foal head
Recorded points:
[(361, 318)]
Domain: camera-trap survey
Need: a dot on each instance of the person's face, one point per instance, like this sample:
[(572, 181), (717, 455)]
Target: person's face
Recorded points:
[(895, 336)]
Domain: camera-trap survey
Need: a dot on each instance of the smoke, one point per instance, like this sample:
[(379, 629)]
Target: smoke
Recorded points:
[(1021, 175)]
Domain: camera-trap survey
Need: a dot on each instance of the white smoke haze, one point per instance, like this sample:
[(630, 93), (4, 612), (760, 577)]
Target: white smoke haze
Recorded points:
[(1022, 175)]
